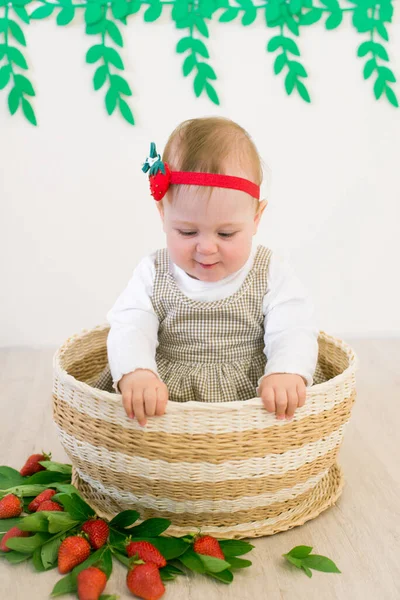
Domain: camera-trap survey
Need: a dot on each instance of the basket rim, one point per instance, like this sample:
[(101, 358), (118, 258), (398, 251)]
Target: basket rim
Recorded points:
[(81, 386)]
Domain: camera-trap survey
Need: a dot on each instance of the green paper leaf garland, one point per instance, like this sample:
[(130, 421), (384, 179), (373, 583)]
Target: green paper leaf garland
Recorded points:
[(103, 18)]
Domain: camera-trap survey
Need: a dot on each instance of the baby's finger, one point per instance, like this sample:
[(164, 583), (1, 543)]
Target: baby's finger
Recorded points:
[(292, 404), (162, 399), (280, 402), (302, 393), (138, 407), (268, 398), (150, 401), (127, 403)]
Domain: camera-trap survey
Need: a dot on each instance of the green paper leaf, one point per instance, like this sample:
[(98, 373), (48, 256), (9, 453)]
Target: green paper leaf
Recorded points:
[(126, 518), (369, 68), (188, 65), (273, 13), (297, 68), (279, 63), (386, 73), (153, 12), (301, 88), (249, 16), (238, 563), (320, 563), (184, 44), (111, 100), (391, 96), (17, 32), (29, 544), (120, 9), (379, 86), (300, 551), (365, 47), (120, 84), (198, 84), (306, 571), (292, 25), (17, 57), (93, 13), (275, 43), (380, 51), (206, 71), (24, 84), (112, 56), (211, 93), (224, 576), (65, 15), (229, 15), (235, 547), (295, 6), (96, 28), (201, 26), (13, 100), (43, 11), (100, 77), (21, 12), (95, 53), (290, 81), (76, 507), (150, 527), (126, 111), (199, 47), (310, 17), (114, 33), (4, 76), (334, 20)]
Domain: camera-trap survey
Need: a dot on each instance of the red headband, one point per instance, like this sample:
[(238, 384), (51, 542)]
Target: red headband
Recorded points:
[(161, 177)]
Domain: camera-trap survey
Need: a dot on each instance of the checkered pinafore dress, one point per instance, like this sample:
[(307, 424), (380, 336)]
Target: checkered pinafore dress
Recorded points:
[(210, 351)]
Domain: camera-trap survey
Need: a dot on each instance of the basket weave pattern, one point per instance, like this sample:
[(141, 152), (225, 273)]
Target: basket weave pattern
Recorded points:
[(229, 467)]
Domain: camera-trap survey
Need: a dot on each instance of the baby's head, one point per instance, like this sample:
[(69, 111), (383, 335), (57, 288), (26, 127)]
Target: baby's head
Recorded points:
[(211, 225)]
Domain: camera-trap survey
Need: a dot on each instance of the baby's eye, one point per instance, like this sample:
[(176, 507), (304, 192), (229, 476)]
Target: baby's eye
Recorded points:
[(186, 232), (226, 235)]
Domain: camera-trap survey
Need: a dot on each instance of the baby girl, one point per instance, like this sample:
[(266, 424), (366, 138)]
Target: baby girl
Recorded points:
[(210, 317)]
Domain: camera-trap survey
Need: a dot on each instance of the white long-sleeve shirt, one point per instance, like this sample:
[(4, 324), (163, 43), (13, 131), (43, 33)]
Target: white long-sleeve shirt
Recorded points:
[(290, 336)]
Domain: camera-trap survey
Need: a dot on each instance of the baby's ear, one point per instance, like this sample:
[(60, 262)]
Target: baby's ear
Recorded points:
[(261, 207)]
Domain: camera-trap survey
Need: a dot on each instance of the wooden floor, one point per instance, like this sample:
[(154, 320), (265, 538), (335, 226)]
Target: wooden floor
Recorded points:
[(361, 533)]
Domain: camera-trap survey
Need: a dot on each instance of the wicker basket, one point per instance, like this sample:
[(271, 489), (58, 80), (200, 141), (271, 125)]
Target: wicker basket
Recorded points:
[(230, 468)]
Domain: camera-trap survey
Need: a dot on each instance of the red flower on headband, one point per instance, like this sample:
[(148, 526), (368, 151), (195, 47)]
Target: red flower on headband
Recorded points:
[(159, 175)]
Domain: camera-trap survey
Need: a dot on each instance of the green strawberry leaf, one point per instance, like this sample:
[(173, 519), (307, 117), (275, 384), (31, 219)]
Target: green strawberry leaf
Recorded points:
[(48, 477), (300, 551), (28, 545), (10, 477), (37, 560), (212, 564), (14, 557), (125, 560), (320, 563), (126, 518), (170, 548), (6, 524), (35, 522), (234, 547), (50, 465), (24, 490), (150, 527), (224, 576), (76, 507), (191, 560), (239, 563), (66, 585), (306, 571), (295, 561), (49, 551), (60, 521)]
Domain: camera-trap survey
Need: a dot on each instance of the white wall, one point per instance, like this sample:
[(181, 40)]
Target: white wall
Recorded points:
[(76, 215)]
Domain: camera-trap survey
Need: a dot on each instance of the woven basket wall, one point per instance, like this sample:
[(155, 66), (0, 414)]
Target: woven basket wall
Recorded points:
[(230, 468)]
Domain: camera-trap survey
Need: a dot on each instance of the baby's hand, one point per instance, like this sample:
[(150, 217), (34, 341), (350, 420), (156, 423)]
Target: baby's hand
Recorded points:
[(283, 393), (143, 393)]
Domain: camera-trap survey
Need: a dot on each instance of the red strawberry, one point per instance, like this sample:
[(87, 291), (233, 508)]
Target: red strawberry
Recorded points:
[(32, 464), (91, 582), (10, 506), (159, 183), (11, 533), (145, 582), (208, 545), (97, 531), (49, 505), (72, 552), (46, 495), (147, 552)]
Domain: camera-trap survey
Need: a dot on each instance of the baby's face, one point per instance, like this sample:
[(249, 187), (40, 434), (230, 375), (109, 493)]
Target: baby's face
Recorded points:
[(210, 239)]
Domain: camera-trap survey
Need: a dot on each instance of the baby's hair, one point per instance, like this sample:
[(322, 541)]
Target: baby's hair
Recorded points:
[(204, 145)]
